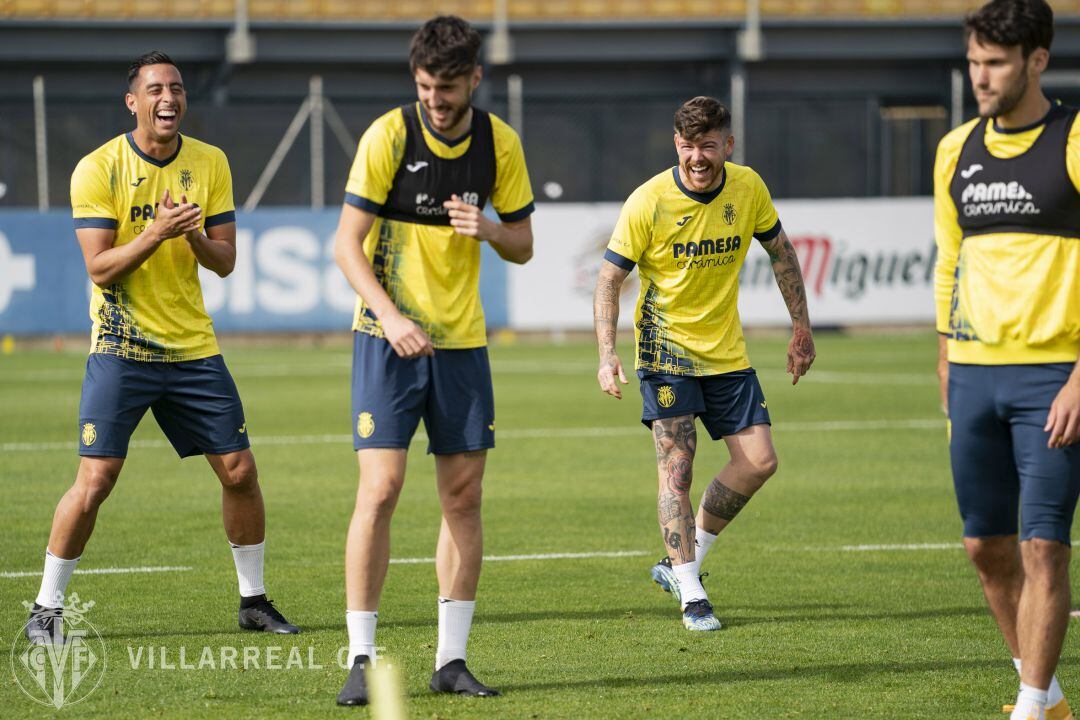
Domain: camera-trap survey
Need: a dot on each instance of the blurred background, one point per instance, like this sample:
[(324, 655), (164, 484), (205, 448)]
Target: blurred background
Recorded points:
[(838, 104)]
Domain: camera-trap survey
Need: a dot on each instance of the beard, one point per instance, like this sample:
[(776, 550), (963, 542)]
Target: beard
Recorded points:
[(455, 114), (1008, 100)]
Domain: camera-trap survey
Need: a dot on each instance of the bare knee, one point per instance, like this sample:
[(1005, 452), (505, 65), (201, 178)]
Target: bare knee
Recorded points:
[(462, 499), (241, 475), (1046, 562), (994, 556), (761, 466), (93, 485), (377, 496)]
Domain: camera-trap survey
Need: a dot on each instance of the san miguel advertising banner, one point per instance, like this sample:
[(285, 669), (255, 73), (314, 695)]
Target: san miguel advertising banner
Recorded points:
[(864, 261)]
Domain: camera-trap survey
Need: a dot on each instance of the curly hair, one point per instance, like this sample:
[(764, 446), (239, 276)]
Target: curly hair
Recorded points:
[(445, 46), (700, 115), (1027, 23)]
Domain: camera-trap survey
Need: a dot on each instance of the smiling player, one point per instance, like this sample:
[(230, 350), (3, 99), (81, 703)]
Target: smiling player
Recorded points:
[(150, 206), (688, 230)]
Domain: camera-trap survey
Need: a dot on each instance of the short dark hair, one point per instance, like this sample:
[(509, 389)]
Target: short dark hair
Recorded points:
[(700, 115), (445, 46), (154, 57), (1027, 23)]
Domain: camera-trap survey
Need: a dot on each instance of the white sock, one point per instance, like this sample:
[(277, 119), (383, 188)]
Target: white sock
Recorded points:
[(1054, 694), (1030, 703), (703, 540), (455, 622), (54, 580), (361, 625), (689, 583), (249, 568)]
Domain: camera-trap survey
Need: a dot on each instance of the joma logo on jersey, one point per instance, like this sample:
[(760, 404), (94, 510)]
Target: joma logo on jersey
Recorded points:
[(706, 247)]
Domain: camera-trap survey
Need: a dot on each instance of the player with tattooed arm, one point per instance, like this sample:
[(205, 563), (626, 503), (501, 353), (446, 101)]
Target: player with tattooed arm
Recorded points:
[(688, 231)]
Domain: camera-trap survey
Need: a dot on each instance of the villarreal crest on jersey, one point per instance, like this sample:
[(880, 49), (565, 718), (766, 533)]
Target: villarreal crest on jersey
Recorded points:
[(156, 313), (688, 248)]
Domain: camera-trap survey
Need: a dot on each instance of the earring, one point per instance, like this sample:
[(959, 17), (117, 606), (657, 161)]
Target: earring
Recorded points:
[(132, 113)]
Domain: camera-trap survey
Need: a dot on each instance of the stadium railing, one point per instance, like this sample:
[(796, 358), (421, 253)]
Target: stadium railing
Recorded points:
[(301, 10)]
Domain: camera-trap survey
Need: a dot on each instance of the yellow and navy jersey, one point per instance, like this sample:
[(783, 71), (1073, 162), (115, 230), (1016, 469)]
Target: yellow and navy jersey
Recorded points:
[(1007, 224), (156, 313), (688, 248), (430, 272)]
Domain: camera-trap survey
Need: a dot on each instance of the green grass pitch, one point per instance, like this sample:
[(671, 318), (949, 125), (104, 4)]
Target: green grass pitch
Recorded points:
[(811, 629)]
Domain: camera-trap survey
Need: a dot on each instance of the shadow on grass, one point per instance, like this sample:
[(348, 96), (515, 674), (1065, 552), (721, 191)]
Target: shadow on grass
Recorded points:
[(756, 615), (847, 672)]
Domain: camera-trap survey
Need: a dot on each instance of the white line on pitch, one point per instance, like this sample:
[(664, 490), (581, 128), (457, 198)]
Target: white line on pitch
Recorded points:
[(103, 571), (527, 433), (909, 546), (542, 556)]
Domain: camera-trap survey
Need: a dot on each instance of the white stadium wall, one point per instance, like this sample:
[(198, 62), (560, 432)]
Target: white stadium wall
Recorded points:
[(865, 262)]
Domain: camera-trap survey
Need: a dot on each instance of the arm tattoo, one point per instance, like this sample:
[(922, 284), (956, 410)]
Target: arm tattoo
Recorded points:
[(723, 502), (606, 307), (785, 265)]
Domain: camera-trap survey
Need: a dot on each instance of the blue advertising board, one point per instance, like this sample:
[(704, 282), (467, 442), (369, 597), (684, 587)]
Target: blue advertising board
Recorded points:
[(285, 277)]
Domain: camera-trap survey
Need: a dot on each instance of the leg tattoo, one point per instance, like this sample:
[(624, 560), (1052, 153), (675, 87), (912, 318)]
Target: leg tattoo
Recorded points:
[(676, 442), (723, 502)]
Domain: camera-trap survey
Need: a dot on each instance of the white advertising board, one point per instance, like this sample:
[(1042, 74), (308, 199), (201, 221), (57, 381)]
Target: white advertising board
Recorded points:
[(864, 261)]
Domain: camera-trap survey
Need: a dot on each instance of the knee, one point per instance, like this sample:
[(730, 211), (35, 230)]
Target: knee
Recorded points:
[(377, 497), (993, 556), (762, 466), (678, 473), (463, 499), (93, 486), (241, 476), (1046, 562)]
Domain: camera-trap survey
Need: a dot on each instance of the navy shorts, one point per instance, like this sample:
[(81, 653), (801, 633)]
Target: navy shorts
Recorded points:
[(1000, 463), (195, 402), (725, 403), (451, 391)]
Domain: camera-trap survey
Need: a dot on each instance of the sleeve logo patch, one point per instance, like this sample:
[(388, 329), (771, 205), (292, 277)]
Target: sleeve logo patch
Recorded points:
[(365, 425), (666, 396), (89, 434)]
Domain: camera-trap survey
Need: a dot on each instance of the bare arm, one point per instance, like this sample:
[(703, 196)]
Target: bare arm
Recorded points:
[(405, 336), (943, 371), (215, 250), (107, 264), (785, 265), (513, 241), (606, 320)]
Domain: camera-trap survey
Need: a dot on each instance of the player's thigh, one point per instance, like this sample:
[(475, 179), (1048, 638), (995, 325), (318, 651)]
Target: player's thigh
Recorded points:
[(672, 399), (388, 394), (734, 401), (753, 447), (200, 410), (235, 469), (460, 476), (981, 453), (1049, 478), (116, 393), (460, 412)]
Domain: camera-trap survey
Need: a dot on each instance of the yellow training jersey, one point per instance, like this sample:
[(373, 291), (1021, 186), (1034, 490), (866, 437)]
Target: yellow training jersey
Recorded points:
[(431, 273), (1009, 294), (688, 247), (156, 313)]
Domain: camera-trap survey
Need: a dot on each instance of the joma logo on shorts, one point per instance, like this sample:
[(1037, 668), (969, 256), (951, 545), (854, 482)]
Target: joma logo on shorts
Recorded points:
[(706, 247)]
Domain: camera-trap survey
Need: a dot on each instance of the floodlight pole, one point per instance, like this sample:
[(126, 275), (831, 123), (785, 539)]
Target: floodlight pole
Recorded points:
[(240, 45), (749, 49), (957, 115), (40, 146), (318, 185)]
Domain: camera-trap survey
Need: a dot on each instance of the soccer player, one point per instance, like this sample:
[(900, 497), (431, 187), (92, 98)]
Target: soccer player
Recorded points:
[(150, 206), (1007, 222), (409, 244), (688, 230)]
